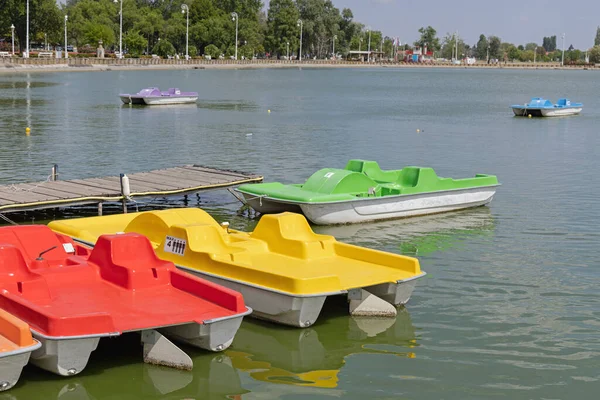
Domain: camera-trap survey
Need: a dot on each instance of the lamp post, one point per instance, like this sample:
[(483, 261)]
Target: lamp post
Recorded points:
[(360, 43), (234, 17), (334, 39), (26, 55), (120, 29), (300, 25), (45, 42), (369, 47), (534, 54), (12, 31), (66, 51), (563, 52), (288, 50), (488, 54), (186, 10)]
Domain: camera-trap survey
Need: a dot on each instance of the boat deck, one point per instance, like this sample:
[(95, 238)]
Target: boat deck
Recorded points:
[(162, 182)]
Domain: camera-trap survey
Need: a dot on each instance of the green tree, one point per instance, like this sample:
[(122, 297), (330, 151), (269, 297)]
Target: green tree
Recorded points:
[(531, 46), (481, 51), (135, 43), (428, 38), (514, 53), (449, 46), (163, 48), (282, 27), (93, 32), (597, 38), (44, 17), (494, 43), (212, 51), (595, 54)]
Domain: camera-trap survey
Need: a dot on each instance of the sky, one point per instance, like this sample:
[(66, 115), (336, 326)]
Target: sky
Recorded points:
[(514, 21)]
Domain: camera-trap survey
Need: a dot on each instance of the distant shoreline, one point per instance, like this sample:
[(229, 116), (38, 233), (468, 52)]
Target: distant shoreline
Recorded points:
[(75, 64)]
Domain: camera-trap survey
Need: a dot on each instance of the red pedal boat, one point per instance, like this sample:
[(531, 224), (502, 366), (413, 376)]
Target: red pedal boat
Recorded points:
[(72, 300)]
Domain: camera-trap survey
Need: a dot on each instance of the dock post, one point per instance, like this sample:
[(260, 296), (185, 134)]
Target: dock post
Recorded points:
[(124, 198), (99, 209), (54, 175)]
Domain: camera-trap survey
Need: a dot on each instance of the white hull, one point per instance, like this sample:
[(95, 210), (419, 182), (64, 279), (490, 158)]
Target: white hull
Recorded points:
[(561, 112), (301, 311), (69, 356), (11, 365), (547, 112), (379, 208), (154, 101)]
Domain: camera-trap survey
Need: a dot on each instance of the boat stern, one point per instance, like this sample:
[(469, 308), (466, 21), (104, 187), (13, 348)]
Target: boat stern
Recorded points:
[(211, 335)]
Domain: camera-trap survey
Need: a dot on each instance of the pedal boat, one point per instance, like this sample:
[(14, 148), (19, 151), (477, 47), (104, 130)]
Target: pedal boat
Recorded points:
[(16, 345), (363, 192), (154, 96), (540, 107), (284, 270), (70, 299)]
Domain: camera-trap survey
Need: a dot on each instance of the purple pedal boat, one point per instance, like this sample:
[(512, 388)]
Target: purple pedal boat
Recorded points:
[(153, 96)]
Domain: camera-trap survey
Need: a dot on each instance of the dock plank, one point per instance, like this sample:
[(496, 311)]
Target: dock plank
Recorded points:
[(161, 182)]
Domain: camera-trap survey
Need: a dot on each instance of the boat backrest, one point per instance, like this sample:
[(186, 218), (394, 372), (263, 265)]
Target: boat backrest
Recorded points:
[(13, 267), (540, 102), (290, 234), (372, 170), (409, 176), (149, 91), (563, 102), (336, 181), (128, 260), (34, 239)]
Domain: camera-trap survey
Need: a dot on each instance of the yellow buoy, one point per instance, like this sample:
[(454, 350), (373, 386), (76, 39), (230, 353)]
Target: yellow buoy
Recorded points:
[(269, 111), (529, 116), (418, 130), (27, 130)]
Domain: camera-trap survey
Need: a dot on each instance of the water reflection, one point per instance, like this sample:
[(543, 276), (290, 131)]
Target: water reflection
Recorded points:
[(314, 356), (25, 84), (418, 236), (229, 105), (117, 362)]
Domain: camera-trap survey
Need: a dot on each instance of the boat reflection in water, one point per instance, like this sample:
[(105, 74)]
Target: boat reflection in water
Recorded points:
[(116, 373), (417, 236), (314, 356)]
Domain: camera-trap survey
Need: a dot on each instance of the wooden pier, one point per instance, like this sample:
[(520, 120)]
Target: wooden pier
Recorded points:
[(162, 182)]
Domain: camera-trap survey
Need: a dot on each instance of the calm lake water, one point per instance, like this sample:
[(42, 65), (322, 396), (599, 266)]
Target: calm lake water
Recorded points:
[(510, 307)]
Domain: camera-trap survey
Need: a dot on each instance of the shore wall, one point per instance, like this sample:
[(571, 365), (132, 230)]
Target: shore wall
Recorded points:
[(9, 64)]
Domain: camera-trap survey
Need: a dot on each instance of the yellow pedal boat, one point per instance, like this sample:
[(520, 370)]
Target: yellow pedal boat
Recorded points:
[(283, 269)]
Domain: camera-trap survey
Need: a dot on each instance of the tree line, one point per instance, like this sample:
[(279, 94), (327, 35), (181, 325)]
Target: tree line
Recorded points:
[(159, 26), (492, 48)]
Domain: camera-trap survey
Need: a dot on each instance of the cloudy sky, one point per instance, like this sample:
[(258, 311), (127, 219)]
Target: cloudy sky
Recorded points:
[(515, 21)]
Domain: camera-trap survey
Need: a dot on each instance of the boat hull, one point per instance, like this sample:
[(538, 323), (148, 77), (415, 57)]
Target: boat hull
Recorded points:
[(132, 100), (156, 101), (302, 311), (11, 366), (389, 207), (546, 112), (265, 205), (63, 356), (351, 212)]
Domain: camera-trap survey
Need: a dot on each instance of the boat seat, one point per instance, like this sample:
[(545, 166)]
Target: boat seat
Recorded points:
[(208, 239), (128, 260), (290, 234), (16, 277)]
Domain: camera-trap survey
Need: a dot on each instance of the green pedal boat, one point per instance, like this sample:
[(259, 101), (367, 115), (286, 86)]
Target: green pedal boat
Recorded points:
[(363, 192)]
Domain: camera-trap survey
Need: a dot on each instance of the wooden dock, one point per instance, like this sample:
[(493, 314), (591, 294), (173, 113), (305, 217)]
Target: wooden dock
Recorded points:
[(162, 182)]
